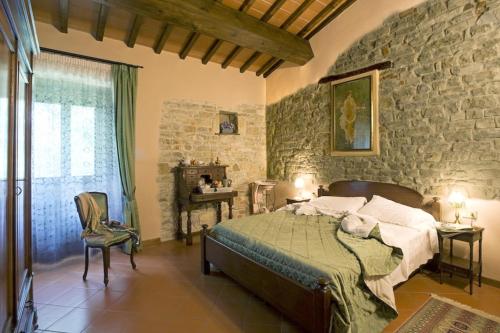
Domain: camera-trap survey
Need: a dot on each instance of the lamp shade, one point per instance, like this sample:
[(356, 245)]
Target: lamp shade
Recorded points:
[(456, 199), (299, 183)]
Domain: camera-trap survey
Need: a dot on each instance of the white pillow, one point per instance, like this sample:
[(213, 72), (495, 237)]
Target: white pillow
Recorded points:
[(392, 212), (339, 204)]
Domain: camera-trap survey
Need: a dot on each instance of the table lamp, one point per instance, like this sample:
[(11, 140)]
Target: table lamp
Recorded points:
[(457, 201), (299, 185)]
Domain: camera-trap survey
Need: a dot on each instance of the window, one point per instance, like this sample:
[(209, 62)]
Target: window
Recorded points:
[(74, 150), (82, 141), (46, 140)]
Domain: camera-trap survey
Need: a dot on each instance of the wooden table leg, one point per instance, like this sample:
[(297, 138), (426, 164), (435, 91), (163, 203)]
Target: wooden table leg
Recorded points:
[(440, 258), (189, 237), (179, 234), (219, 212), (451, 253), (471, 259), (230, 204), (480, 259)]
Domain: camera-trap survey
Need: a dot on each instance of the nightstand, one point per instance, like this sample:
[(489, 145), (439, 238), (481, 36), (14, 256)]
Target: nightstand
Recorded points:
[(296, 200), (451, 264)]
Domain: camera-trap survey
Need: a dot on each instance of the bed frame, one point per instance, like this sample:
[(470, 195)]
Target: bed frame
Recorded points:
[(309, 308)]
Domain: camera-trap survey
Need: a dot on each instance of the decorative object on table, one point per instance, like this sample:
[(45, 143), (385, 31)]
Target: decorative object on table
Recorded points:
[(354, 102), (217, 162), (263, 196), (228, 122), (457, 201), (453, 264), (440, 314), (471, 217), (299, 185), (191, 195), (226, 182)]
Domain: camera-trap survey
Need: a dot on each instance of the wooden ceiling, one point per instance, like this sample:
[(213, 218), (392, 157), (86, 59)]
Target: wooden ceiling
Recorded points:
[(253, 35)]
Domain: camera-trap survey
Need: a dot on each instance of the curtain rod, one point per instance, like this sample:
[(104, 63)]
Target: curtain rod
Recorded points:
[(81, 56)]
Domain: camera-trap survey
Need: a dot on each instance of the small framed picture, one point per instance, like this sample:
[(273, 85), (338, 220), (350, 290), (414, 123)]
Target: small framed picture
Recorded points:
[(228, 122)]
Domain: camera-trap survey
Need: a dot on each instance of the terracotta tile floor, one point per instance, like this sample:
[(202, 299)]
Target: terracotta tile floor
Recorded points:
[(167, 293)]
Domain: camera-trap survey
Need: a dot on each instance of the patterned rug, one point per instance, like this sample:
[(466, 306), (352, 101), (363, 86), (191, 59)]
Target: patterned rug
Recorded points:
[(440, 314)]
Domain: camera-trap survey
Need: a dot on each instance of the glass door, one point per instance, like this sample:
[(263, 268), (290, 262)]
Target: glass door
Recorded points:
[(20, 223)]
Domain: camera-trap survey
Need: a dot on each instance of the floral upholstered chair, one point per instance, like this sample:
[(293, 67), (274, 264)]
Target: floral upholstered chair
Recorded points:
[(103, 233)]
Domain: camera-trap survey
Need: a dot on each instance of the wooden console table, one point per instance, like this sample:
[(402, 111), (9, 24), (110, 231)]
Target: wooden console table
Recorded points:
[(187, 180)]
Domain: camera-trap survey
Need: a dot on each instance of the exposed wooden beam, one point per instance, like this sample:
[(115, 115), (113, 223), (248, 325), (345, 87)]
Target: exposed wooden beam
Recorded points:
[(339, 8), (296, 14), (101, 22), (134, 31), (236, 50), (266, 17), (217, 43), (222, 22), (250, 61), (160, 43), (273, 68), (211, 51), (335, 77), (272, 10), (246, 5), (63, 15), (193, 36), (285, 25), (266, 66)]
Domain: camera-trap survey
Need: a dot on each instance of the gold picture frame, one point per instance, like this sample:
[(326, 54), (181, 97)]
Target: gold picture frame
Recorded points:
[(354, 115)]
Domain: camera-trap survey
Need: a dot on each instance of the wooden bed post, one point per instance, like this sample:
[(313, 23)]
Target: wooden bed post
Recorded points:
[(322, 307), (205, 265)]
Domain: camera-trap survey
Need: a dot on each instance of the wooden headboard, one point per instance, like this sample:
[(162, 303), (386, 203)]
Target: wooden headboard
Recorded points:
[(394, 192)]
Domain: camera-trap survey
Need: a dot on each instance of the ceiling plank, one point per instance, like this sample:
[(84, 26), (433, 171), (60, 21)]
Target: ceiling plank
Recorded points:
[(217, 43), (193, 36), (285, 25), (340, 7), (63, 15), (101, 22), (266, 17), (160, 43), (222, 22), (134, 31)]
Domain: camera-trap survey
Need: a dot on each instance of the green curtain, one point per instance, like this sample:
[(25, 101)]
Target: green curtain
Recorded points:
[(125, 85)]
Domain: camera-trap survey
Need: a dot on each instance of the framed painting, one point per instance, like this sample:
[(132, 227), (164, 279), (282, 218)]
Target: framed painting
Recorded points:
[(354, 115), (228, 122)]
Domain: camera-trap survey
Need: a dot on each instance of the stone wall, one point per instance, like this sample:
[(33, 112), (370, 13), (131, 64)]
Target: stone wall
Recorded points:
[(439, 106), (187, 130)]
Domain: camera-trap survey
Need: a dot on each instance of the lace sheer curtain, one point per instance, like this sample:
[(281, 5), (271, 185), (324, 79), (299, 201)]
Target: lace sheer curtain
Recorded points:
[(74, 150)]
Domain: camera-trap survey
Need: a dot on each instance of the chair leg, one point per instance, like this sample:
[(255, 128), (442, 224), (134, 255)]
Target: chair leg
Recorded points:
[(132, 250), (105, 256), (86, 263)]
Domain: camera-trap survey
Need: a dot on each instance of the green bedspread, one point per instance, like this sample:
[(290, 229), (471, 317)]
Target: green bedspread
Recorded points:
[(305, 248)]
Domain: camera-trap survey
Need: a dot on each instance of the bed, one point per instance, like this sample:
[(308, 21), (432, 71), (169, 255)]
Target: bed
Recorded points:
[(314, 306)]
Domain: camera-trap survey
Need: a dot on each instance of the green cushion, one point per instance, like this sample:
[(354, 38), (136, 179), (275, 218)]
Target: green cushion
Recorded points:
[(107, 239)]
